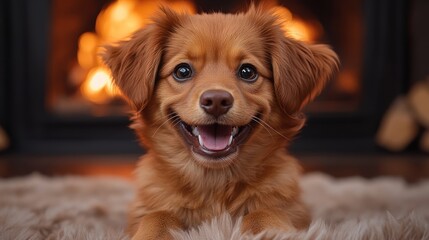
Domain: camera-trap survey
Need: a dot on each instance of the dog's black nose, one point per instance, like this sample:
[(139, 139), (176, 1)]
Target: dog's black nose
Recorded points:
[(216, 102)]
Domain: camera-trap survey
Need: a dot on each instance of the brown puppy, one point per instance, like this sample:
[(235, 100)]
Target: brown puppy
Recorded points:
[(217, 98)]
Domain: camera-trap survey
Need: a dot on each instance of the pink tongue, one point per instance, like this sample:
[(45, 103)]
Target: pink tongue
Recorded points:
[(215, 137)]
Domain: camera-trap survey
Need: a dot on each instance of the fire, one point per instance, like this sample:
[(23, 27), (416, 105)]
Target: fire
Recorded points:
[(123, 17), (98, 85), (87, 46), (307, 31), (118, 21)]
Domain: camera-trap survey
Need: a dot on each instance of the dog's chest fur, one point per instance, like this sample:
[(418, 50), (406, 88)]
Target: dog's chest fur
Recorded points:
[(204, 195)]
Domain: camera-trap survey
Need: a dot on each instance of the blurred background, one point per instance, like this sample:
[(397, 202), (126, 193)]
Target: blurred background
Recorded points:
[(59, 114)]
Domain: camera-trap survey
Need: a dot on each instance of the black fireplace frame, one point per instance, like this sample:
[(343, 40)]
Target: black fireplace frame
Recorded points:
[(24, 55)]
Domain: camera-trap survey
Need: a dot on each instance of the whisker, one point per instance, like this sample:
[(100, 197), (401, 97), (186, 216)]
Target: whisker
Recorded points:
[(168, 116), (137, 113), (176, 121), (259, 120), (175, 117), (261, 124)]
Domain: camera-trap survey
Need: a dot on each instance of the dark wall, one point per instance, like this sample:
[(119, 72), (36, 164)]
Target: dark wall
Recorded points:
[(419, 39), (4, 70), (3, 60)]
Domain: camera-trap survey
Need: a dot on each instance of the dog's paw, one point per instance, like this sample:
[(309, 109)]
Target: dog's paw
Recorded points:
[(156, 226), (257, 222)]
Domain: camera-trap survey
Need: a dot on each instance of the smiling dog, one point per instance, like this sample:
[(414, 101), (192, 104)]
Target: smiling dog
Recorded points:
[(217, 98)]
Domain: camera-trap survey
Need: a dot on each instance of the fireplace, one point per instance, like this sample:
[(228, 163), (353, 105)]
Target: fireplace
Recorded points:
[(59, 99)]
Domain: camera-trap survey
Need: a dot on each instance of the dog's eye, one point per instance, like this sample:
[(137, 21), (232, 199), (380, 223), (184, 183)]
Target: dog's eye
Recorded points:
[(182, 72), (248, 72)]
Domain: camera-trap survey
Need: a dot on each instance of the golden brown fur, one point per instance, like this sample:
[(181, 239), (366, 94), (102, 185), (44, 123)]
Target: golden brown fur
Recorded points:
[(180, 189)]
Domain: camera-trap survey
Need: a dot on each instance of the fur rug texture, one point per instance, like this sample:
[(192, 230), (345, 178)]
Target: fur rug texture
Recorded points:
[(39, 207)]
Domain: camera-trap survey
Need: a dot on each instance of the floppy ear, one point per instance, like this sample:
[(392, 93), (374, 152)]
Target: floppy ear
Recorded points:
[(300, 72), (134, 63)]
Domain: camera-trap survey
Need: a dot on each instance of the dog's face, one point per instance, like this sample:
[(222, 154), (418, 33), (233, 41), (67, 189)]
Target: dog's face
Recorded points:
[(218, 88)]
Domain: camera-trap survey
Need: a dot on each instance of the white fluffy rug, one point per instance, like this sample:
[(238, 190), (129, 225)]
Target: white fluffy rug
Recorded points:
[(38, 207)]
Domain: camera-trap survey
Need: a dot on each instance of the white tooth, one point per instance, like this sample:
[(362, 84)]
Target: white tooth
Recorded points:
[(195, 131), (200, 140), (234, 131), (230, 140)]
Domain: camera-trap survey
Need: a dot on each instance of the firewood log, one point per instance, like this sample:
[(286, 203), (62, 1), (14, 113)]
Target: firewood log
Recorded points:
[(398, 126), (418, 98)]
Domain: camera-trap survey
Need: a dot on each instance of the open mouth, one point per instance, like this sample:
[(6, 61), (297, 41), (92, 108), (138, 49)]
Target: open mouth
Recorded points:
[(215, 141)]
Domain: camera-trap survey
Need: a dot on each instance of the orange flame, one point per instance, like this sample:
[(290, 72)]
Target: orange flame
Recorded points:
[(307, 31), (98, 86)]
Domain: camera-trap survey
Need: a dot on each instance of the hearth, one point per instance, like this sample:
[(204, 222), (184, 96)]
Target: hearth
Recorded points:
[(59, 100)]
